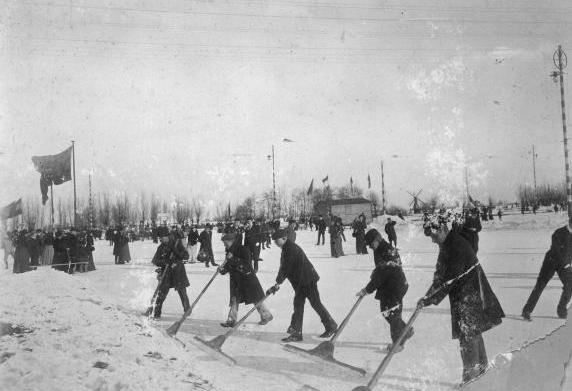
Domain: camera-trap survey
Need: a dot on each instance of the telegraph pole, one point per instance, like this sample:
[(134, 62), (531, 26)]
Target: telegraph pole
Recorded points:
[(273, 186), (561, 61), (534, 155), (382, 190)]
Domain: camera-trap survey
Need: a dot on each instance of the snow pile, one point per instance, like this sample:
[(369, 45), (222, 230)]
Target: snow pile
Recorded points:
[(528, 222), (60, 335), (544, 364)]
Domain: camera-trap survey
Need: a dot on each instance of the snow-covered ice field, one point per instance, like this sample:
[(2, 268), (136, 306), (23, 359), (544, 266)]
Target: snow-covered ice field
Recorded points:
[(77, 321)]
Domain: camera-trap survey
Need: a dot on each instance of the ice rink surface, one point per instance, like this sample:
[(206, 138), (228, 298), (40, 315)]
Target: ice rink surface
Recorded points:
[(95, 318)]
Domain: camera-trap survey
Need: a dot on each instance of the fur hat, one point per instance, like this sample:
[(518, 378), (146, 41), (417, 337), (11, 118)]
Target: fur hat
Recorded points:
[(162, 231)]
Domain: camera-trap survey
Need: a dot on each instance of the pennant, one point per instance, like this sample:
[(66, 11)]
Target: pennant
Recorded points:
[(13, 209), (325, 179), (287, 140), (311, 188), (368, 182), (54, 169)]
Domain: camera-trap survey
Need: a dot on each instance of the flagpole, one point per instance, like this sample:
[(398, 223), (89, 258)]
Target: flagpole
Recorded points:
[(382, 190), (74, 189), (52, 204)]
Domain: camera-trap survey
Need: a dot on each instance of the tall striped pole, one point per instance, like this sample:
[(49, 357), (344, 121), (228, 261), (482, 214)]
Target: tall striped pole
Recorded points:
[(562, 56)]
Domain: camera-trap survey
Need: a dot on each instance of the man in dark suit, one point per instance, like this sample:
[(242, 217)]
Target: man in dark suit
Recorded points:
[(557, 260), (321, 228), (295, 266)]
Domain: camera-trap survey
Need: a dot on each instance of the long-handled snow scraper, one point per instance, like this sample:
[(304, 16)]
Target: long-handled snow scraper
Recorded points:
[(385, 362), (215, 344), (149, 310), (172, 330), (325, 350)]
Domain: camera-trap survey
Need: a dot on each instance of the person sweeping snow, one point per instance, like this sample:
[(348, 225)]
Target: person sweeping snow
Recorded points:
[(295, 266), (474, 306), (390, 283), (169, 258), (558, 259), (244, 285)]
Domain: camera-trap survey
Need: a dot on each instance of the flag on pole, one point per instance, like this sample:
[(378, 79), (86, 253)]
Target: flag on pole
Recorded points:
[(54, 169), (287, 140), (311, 188), (368, 182), (351, 181), (13, 209), (325, 179)]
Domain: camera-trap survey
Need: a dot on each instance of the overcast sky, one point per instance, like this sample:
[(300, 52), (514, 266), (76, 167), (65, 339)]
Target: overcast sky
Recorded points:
[(188, 97)]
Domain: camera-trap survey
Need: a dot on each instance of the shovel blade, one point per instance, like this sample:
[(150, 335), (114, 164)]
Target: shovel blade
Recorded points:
[(213, 348), (324, 357)]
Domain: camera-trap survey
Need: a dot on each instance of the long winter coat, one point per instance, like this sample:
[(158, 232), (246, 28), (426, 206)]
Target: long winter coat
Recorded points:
[(390, 230), (474, 306), (359, 234), (167, 255), (244, 284), (336, 240), (21, 255), (470, 230), (205, 238), (121, 248), (296, 267)]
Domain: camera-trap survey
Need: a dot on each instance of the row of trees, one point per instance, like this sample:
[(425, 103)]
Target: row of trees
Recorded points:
[(546, 194)]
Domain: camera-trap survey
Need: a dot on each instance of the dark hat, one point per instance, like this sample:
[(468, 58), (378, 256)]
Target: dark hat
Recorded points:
[(371, 235), (162, 231), (280, 233), (208, 225), (229, 236)]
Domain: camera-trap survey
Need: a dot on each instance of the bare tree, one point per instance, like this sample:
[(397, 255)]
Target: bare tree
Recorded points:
[(198, 209)]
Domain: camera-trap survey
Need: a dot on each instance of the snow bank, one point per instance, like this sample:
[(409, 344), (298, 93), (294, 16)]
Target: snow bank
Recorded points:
[(544, 364), (60, 335)]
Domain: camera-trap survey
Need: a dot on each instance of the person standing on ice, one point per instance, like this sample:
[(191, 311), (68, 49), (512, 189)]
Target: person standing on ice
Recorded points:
[(252, 241), (390, 283), (206, 250), (170, 255), (244, 285), (390, 231), (321, 228), (474, 306), (192, 240), (295, 266), (360, 225), (558, 259)]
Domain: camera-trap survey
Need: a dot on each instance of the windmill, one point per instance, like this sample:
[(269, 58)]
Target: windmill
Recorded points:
[(416, 202)]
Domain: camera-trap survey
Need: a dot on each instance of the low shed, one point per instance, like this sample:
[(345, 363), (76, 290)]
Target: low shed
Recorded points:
[(348, 209)]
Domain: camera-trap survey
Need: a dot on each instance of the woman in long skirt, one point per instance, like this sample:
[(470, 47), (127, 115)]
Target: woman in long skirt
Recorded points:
[(335, 240), (21, 254), (48, 249)]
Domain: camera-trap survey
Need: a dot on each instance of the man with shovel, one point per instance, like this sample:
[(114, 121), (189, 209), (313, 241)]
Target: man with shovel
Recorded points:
[(244, 285), (170, 254), (474, 306), (390, 283), (295, 266)]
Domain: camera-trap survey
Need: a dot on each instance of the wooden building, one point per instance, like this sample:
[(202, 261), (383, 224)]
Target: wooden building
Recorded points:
[(348, 209)]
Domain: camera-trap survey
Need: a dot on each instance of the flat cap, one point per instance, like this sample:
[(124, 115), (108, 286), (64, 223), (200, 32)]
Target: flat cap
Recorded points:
[(229, 237), (371, 235), (279, 233), (162, 231)]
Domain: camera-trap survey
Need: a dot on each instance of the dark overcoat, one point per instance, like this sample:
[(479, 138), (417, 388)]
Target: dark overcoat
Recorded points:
[(296, 267), (244, 284), (474, 306), (167, 255)]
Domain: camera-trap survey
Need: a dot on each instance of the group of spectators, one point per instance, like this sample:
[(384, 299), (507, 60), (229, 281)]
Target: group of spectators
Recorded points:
[(66, 250)]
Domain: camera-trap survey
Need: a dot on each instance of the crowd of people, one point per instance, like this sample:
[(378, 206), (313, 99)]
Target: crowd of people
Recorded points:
[(66, 250)]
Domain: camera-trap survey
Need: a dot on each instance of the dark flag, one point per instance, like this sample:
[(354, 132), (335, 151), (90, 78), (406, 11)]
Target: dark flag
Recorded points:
[(471, 199), (325, 179), (311, 188), (368, 182), (287, 140), (11, 210), (54, 169)]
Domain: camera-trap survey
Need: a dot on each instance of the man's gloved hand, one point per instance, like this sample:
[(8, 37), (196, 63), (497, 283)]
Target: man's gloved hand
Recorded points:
[(423, 302), (361, 293), (273, 289)]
